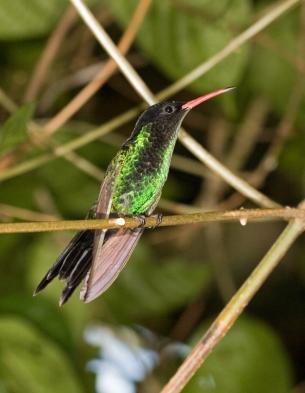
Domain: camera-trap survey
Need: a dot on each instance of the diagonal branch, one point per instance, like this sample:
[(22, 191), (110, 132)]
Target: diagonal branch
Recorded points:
[(81, 98), (235, 307), (129, 115), (102, 76), (48, 54), (139, 85), (270, 16)]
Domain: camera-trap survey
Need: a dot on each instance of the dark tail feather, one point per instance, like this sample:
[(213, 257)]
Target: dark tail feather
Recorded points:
[(75, 262), (72, 265), (111, 260)]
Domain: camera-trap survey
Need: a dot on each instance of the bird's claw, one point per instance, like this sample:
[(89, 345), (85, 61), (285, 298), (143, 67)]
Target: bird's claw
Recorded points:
[(158, 217), (142, 221)]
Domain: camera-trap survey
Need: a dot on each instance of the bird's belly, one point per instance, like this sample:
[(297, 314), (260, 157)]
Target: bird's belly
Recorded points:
[(136, 192)]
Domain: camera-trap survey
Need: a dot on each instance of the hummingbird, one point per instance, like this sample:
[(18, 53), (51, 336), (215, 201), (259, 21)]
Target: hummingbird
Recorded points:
[(132, 187)]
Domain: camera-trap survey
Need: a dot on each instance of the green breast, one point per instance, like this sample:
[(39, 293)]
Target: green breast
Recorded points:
[(143, 169)]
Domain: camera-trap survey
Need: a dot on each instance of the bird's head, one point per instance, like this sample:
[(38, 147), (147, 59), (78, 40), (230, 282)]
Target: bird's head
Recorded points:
[(167, 116)]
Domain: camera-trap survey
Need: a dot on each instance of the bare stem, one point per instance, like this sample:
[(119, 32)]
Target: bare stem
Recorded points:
[(271, 15), (6, 102), (62, 150), (49, 53), (122, 119), (106, 42), (243, 216), (234, 308), (228, 176), (102, 76), (24, 214), (190, 143)]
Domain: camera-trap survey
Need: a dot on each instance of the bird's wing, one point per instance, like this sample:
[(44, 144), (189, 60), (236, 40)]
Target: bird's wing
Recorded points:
[(75, 261), (111, 260), (103, 208)]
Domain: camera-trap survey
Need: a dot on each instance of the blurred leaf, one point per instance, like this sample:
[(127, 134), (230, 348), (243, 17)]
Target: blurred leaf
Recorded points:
[(150, 287), (21, 19), (19, 56), (31, 363), (14, 130), (292, 161), (179, 35), (249, 359), (38, 311), (75, 196), (146, 287)]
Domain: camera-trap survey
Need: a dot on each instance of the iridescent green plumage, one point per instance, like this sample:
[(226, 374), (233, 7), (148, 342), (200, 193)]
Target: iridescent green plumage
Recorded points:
[(132, 186), (143, 169)]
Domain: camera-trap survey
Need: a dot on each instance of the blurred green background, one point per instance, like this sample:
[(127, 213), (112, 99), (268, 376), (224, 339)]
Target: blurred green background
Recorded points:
[(178, 278)]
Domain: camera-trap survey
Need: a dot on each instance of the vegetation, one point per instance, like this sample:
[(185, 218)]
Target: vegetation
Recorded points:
[(65, 108)]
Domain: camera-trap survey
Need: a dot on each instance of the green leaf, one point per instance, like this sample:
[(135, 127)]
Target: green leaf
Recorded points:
[(14, 130), (271, 74), (21, 19), (38, 311), (74, 196), (249, 359), (31, 363), (292, 163), (149, 286), (179, 35), (146, 287)]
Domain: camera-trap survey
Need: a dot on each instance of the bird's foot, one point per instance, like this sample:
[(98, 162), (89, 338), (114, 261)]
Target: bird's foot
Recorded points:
[(158, 217), (142, 220)]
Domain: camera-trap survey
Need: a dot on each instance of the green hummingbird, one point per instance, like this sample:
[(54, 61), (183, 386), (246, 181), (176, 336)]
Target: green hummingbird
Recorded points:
[(132, 187)]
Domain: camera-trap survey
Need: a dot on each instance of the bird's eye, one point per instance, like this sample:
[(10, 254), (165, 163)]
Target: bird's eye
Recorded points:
[(169, 109)]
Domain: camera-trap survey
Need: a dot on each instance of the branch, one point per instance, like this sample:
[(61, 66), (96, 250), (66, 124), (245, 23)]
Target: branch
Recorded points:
[(6, 102), (242, 215), (234, 308), (103, 75), (24, 214), (190, 143), (279, 9), (129, 115), (48, 55), (106, 42)]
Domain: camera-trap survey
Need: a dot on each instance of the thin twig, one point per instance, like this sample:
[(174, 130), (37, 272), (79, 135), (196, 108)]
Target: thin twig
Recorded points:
[(85, 165), (79, 100), (235, 307), (243, 216), (272, 14), (247, 134), (107, 43), (48, 54), (6, 102), (36, 162), (228, 176), (103, 75), (24, 214), (129, 115), (244, 140), (283, 131), (139, 85), (207, 200), (78, 161)]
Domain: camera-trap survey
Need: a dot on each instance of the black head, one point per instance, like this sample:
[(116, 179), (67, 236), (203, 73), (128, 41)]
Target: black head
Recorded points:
[(166, 117)]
